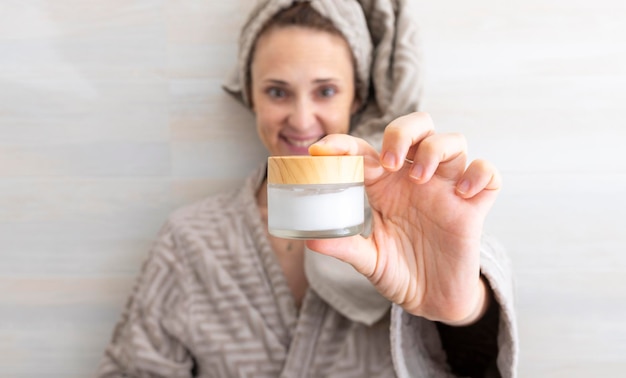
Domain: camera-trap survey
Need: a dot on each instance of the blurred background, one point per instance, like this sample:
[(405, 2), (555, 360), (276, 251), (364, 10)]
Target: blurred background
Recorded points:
[(112, 116)]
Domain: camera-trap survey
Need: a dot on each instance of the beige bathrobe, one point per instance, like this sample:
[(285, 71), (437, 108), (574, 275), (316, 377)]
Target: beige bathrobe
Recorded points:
[(212, 301)]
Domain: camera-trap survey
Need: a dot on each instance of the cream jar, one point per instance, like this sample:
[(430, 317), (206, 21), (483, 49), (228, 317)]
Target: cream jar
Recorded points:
[(315, 197)]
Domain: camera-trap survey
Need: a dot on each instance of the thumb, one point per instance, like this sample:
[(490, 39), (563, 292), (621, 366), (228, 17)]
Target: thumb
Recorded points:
[(354, 250), (344, 144)]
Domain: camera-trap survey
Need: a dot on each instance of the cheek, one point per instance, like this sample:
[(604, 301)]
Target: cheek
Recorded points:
[(267, 119), (339, 118)]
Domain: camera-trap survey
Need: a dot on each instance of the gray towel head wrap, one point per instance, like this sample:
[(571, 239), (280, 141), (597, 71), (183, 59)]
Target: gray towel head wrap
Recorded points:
[(383, 37)]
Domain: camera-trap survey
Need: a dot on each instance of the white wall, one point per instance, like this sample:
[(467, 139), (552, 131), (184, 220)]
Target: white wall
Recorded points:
[(539, 87), (111, 116)]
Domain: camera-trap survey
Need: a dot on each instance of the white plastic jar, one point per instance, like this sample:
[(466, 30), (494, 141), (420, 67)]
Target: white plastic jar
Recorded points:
[(315, 197)]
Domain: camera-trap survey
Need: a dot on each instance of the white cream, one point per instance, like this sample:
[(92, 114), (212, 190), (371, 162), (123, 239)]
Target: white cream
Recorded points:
[(315, 210)]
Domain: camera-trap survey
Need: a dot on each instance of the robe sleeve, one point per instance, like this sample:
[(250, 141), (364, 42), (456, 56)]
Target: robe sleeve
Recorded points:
[(416, 345), (472, 350), (148, 339)]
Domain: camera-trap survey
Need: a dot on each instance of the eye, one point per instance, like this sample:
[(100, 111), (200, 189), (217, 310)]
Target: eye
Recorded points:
[(327, 91), (277, 93)]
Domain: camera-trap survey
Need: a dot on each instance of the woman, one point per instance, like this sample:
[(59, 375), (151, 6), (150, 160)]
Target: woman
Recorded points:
[(220, 297)]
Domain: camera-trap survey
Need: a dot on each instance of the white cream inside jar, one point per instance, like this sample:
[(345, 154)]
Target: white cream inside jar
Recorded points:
[(315, 197)]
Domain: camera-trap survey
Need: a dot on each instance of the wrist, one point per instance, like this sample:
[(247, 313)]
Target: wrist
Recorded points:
[(483, 298)]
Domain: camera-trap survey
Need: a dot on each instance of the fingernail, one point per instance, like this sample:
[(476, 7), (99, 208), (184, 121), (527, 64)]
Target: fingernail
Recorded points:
[(463, 187), (416, 171), (389, 160)]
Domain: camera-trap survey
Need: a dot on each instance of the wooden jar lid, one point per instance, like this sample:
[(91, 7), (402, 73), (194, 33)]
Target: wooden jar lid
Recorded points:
[(296, 170)]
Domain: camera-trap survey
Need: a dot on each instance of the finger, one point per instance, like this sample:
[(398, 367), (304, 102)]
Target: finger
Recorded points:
[(444, 154), (355, 250), (480, 175), (344, 144), (400, 135), (340, 144)]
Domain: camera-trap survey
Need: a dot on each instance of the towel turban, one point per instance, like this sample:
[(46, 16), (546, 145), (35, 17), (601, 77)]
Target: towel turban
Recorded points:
[(383, 36)]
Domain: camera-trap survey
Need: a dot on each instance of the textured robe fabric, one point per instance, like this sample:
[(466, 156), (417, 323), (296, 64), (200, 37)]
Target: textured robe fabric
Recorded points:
[(212, 301)]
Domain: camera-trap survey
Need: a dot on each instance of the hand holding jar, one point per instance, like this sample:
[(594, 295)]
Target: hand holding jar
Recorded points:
[(428, 209)]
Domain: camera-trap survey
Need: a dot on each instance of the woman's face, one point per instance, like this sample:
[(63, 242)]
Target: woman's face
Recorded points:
[(302, 88)]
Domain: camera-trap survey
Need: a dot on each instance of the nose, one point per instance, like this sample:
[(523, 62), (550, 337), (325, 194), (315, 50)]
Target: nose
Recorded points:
[(302, 115)]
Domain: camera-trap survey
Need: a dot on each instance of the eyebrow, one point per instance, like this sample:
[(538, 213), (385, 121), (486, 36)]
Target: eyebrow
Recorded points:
[(324, 80), (316, 81), (275, 81)]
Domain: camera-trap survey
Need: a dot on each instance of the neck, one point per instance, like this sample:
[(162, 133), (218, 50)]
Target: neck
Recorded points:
[(261, 196)]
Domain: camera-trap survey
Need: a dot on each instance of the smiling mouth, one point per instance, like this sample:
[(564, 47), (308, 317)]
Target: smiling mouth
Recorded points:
[(301, 143)]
